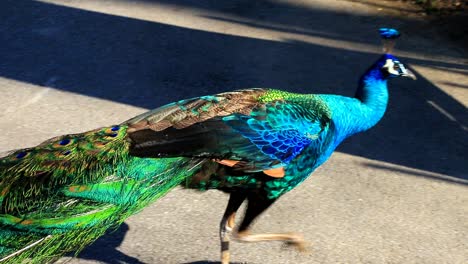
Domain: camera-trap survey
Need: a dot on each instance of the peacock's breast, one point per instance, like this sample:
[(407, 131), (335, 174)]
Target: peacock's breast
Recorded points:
[(302, 166)]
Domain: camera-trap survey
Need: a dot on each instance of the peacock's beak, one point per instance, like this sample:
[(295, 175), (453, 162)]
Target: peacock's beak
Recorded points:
[(407, 73), (410, 75)]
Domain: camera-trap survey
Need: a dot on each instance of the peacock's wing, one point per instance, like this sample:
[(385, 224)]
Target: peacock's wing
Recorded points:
[(260, 128)]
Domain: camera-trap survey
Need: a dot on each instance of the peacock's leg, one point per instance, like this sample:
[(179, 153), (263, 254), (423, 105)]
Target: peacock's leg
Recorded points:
[(227, 223), (256, 205)]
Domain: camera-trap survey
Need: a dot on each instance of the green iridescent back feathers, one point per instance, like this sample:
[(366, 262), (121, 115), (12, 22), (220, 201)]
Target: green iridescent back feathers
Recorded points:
[(66, 192)]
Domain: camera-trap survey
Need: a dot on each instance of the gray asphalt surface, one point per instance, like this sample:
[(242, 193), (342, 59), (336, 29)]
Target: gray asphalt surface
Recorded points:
[(395, 194)]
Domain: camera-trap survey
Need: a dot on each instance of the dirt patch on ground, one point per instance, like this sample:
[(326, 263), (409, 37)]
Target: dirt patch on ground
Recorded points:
[(441, 7), (448, 18)]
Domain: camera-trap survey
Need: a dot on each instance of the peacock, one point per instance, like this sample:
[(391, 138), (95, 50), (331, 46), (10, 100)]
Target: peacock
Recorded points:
[(255, 144)]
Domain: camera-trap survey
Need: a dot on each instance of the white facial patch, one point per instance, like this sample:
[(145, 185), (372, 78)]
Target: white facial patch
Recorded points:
[(389, 64)]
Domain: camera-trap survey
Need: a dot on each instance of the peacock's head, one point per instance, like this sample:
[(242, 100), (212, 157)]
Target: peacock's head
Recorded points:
[(391, 66)]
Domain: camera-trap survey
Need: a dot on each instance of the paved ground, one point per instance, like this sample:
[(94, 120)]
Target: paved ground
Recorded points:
[(396, 194)]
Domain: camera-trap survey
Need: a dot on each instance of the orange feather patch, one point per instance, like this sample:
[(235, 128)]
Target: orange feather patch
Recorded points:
[(275, 173), (229, 163)]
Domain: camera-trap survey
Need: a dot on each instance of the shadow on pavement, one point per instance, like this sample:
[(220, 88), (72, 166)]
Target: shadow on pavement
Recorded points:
[(105, 249), (148, 64)]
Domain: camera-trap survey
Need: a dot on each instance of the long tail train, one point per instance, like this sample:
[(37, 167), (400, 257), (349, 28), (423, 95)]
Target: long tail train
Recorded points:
[(71, 189)]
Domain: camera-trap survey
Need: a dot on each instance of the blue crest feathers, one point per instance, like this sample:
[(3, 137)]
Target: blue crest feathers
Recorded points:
[(389, 33)]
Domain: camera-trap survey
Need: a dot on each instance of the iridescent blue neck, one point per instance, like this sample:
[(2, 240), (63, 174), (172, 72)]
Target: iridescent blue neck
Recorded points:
[(373, 96), (354, 115)]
